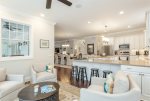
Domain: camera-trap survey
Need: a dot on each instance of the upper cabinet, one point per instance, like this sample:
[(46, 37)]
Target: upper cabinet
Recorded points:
[(147, 31)]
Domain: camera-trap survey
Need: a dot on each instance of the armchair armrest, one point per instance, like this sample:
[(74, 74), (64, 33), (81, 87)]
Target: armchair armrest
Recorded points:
[(98, 81), (14, 77), (55, 71), (34, 75)]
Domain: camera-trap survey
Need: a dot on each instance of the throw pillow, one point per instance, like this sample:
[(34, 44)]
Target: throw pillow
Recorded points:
[(108, 85), (50, 68), (2, 74), (46, 68), (121, 83)]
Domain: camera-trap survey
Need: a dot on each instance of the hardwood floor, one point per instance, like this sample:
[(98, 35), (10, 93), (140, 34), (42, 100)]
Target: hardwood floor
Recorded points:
[(64, 75)]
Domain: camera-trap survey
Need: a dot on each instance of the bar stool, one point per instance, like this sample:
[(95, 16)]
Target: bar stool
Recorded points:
[(74, 72), (82, 74), (106, 72), (94, 72)]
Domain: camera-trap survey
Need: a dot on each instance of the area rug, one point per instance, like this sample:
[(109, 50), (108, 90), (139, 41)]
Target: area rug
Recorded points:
[(67, 92)]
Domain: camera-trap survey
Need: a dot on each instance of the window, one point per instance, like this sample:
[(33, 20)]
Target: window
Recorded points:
[(15, 39)]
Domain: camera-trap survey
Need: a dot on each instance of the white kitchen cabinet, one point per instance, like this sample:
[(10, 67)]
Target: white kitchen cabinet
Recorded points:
[(116, 43), (126, 40), (142, 77), (136, 42), (141, 42), (145, 85), (147, 31), (131, 43)]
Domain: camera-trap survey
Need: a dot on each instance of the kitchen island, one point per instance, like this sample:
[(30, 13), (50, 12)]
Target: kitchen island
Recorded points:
[(139, 69)]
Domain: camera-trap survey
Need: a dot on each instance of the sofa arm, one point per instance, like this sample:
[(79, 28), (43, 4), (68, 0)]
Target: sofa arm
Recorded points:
[(89, 95), (98, 81), (14, 77)]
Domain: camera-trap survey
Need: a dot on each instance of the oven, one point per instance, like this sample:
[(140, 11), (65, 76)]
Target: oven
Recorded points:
[(124, 52)]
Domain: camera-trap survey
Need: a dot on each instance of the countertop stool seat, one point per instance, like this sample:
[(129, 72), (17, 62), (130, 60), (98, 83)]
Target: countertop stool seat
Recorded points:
[(106, 72), (74, 72), (82, 74), (94, 73)]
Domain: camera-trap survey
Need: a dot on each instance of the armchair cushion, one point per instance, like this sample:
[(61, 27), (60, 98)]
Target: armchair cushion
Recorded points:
[(96, 88), (2, 74), (50, 68), (7, 87), (121, 83), (15, 77), (43, 76)]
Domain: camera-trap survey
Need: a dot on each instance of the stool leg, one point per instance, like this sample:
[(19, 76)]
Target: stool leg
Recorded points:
[(103, 75), (91, 76), (79, 74), (76, 73), (82, 75), (86, 75), (97, 73), (72, 73)]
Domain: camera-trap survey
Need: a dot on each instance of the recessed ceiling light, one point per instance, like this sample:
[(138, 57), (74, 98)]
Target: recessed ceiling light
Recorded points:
[(78, 6), (89, 22), (121, 12), (42, 15), (129, 26)]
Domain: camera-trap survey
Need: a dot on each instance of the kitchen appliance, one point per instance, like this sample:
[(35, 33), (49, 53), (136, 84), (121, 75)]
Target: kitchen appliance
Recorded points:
[(124, 52)]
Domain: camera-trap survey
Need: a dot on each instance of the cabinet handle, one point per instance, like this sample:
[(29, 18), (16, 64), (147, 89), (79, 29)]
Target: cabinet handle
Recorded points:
[(142, 74)]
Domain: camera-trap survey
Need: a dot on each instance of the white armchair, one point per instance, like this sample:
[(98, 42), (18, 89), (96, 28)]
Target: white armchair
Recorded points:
[(10, 87), (95, 92), (40, 75)]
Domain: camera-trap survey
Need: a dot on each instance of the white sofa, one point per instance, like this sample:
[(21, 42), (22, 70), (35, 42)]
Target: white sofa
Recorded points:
[(40, 75), (10, 87), (95, 92)]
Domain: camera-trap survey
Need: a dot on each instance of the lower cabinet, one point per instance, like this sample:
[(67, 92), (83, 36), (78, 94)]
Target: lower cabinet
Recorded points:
[(141, 77), (146, 85)]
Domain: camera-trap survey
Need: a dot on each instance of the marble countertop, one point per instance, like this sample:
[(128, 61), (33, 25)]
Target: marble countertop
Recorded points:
[(141, 63)]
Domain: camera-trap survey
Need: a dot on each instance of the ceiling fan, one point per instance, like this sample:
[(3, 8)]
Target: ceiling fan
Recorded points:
[(49, 2)]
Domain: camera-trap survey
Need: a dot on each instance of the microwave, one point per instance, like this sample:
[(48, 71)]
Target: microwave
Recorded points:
[(124, 47)]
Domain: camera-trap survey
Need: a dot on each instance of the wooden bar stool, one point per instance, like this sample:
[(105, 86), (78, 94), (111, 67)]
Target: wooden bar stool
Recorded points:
[(106, 72), (82, 74), (94, 73)]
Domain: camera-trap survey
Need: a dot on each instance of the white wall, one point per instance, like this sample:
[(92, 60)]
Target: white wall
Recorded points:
[(41, 29)]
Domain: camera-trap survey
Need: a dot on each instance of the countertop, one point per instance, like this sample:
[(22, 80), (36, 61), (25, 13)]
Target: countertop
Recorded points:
[(110, 60)]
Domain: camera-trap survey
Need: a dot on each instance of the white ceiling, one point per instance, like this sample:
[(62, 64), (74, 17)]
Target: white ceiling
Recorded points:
[(72, 21)]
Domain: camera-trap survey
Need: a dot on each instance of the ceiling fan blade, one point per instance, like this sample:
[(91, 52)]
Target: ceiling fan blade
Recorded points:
[(66, 2), (48, 4)]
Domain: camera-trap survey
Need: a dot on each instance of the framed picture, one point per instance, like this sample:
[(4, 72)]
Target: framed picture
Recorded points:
[(44, 43), (90, 49)]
